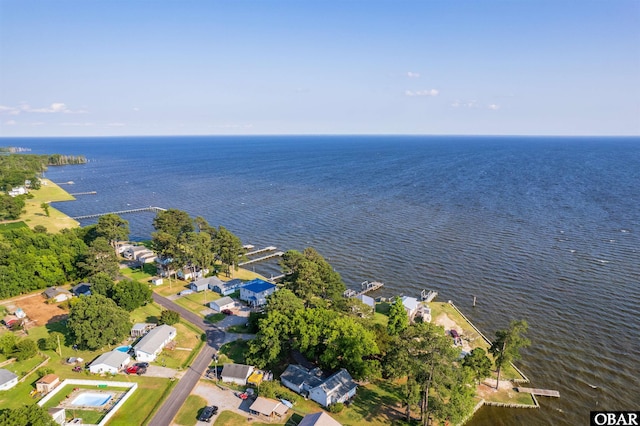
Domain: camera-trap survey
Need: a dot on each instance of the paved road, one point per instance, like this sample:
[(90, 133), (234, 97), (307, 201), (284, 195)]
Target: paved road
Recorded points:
[(215, 339)]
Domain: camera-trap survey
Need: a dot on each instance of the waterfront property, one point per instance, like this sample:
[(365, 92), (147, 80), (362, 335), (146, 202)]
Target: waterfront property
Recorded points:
[(338, 387), (236, 373), (255, 292), (7, 379), (148, 348), (110, 362)]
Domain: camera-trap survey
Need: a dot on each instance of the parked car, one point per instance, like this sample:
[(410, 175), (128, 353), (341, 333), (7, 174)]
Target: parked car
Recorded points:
[(136, 369), (142, 364), (227, 311), (208, 412), (77, 369)]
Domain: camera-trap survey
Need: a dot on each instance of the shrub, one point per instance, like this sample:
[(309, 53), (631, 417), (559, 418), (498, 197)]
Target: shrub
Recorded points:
[(41, 372), (336, 408)]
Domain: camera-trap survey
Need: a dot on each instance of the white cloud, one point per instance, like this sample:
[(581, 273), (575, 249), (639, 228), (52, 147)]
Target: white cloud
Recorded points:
[(54, 108), (76, 124), (411, 74), (493, 107), (465, 104), (10, 122), (136, 109), (428, 92), (116, 125)]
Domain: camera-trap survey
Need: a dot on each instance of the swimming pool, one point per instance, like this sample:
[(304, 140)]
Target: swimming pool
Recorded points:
[(91, 399), (124, 349)]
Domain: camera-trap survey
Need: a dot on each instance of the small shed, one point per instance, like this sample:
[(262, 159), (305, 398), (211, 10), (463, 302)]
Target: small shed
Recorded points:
[(157, 280), (268, 407), (58, 414), (222, 304), (47, 383), (236, 373), (57, 294), (139, 329)]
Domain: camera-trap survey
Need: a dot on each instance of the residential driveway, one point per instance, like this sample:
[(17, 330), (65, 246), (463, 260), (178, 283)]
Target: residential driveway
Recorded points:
[(224, 399), (167, 373)]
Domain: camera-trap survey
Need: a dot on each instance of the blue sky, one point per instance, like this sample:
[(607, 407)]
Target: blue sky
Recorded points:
[(93, 67)]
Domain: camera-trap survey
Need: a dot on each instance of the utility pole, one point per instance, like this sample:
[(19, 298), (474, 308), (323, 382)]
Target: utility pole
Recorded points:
[(59, 348)]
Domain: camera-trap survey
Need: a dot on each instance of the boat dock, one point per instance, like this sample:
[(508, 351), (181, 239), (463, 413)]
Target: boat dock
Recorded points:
[(365, 287), (262, 259), (84, 193), (540, 392), (428, 296), (251, 253), (144, 209)]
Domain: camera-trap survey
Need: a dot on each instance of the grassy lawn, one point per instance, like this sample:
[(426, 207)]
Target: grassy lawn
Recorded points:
[(229, 418), (214, 318), (171, 287), (140, 407), (34, 215), (12, 225), (234, 352), (197, 302), (190, 410), (187, 337)]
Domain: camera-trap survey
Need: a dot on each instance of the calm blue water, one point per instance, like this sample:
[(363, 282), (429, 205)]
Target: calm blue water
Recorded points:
[(545, 229)]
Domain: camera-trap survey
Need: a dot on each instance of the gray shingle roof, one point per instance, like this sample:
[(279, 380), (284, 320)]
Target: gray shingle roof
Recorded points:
[(155, 339), (298, 375), (113, 359), (6, 376), (236, 371), (340, 383), (318, 419)]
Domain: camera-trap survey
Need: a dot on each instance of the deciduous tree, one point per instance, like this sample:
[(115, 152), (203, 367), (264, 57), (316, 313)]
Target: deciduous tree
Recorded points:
[(96, 321), (130, 295), (113, 228), (398, 318), (169, 317)]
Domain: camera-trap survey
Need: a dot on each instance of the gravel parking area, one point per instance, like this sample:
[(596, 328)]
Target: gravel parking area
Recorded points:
[(224, 399)]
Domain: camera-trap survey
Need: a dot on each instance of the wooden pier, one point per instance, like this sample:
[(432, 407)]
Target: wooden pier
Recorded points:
[(365, 287), (270, 248), (84, 193), (262, 259), (540, 392), (144, 209)]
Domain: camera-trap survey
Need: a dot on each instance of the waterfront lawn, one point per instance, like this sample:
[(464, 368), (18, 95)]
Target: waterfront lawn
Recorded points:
[(466, 330), (34, 214), (190, 410)]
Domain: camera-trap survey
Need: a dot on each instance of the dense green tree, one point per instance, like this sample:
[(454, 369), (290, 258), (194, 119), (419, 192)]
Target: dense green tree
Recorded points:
[(169, 317), (398, 318), (29, 415), (506, 347), (11, 207), (130, 295), (25, 349), (113, 228), (45, 207), (284, 301), (229, 249), (52, 341), (99, 258), (102, 283), (272, 340), (309, 275), (174, 222), (8, 343), (478, 364), (95, 321)]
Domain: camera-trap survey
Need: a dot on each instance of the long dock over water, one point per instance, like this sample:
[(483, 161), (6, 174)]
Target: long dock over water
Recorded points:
[(262, 259), (540, 392), (144, 209), (365, 287), (251, 253)]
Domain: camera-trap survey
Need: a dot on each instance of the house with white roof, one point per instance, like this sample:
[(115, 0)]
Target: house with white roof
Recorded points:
[(225, 288), (150, 346), (203, 284), (255, 292), (222, 304), (110, 362), (410, 305), (7, 379), (58, 294)]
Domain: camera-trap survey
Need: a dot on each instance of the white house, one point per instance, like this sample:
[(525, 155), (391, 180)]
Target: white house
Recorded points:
[(57, 294), (19, 190), (225, 288), (255, 292), (7, 379), (410, 305), (236, 373), (301, 380), (340, 387), (222, 303), (133, 252), (110, 362), (148, 348), (203, 284)]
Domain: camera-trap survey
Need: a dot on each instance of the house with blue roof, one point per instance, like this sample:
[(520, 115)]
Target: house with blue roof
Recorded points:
[(255, 292)]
